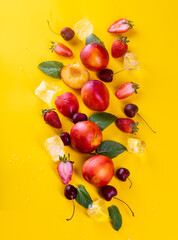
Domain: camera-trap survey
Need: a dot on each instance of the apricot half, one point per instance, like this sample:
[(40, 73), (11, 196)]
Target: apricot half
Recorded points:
[(75, 75)]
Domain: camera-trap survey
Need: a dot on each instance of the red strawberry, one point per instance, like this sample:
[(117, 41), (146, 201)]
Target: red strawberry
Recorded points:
[(126, 90), (51, 117), (65, 169), (119, 47), (120, 26), (61, 49), (127, 125)]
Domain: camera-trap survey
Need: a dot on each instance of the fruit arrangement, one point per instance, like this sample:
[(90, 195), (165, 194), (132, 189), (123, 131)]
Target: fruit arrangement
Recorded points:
[(86, 135)]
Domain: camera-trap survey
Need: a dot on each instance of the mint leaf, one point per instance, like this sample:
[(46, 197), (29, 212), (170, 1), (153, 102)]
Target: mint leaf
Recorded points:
[(102, 119), (115, 216), (83, 197), (51, 68), (110, 148), (93, 38)]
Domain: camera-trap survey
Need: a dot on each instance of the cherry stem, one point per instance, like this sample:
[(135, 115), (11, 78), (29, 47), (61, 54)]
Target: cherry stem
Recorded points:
[(126, 205), (68, 219), (119, 71), (146, 123), (59, 130), (52, 29), (130, 183)]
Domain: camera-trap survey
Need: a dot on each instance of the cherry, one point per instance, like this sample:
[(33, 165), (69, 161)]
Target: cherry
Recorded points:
[(108, 192), (131, 110), (67, 33), (65, 136), (78, 117), (106, 75), (123, 174), (70, 193)]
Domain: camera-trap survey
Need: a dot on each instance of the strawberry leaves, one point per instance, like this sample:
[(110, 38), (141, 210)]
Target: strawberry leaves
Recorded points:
[(110, 148), (102, 119), (83, 197), (93, 38), (51, 68), (115, 216)]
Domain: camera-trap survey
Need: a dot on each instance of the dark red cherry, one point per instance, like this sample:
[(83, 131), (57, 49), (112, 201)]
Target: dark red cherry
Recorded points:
[(78, 117), (122, 174), (130, 110), (108, 192), (67, 33), (70, 192), (106, 75), (65, 138)]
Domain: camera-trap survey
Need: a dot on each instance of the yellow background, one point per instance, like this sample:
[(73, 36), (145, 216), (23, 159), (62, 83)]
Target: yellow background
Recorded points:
[(32, 205)]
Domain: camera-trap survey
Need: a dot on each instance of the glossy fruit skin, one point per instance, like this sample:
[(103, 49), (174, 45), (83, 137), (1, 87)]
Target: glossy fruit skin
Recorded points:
[(65, 136), (95, 95), (106, 75), (98, 170), (94, 56), (122, 174), (85, 136), (61, 50), (67, 104), (119, 48), (67, 33), (70, 192), (124, 124), (65, 170), (52, 118), (108, 192), (130, 110), (78, 117)]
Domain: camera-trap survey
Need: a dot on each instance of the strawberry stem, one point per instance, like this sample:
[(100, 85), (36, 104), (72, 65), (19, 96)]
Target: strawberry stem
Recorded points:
[(64, 158), (126, 205), (68, 219), (44, 111), (146, 123), (52, 46), (123, 39), (130, 23), (135, 86), (52, 29), (134, 127)]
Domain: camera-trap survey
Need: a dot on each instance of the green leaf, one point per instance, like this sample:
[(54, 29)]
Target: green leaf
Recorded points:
[(115, 216), (51, 68), (93, 38), (110, 148), (83, 197), (102, 119)]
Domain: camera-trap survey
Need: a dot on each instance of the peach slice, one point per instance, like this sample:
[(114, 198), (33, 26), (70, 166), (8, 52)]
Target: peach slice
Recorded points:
[(75, 75)]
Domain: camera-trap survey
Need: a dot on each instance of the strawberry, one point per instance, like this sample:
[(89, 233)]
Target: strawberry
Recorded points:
[(61, 49), (119, 47), (51, 117), (65, 168), (120, 26), (126, 90), (127, 125)]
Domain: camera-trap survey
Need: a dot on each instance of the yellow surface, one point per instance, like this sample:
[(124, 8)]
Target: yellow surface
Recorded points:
[(32, 205)]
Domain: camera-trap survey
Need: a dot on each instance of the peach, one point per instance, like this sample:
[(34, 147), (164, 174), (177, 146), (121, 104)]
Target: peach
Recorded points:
[(94, 56), (67, 104), (95, 95), (75, 75), (98, 170), (85, 136)]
